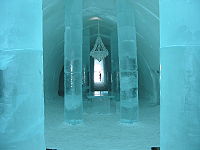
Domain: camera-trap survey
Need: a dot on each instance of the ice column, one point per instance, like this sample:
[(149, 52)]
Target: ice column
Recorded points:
[(127, 62), (21, 75), (73, 106), (180, 74)]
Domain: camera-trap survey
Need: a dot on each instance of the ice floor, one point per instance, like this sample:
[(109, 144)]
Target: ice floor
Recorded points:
[(101, 132)]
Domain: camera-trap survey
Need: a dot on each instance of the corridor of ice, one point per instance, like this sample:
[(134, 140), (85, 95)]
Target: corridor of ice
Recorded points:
[(129, 41), (49, 97), (44, 53)]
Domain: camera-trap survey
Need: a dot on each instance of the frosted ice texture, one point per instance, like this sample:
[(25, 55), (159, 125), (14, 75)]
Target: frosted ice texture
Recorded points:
[(21, 75), (73, 62), (86, 62), (115, 66), (127, 62), (180, 75)]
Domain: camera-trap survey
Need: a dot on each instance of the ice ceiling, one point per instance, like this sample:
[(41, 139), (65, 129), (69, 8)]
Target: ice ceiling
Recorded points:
[(147, 31)]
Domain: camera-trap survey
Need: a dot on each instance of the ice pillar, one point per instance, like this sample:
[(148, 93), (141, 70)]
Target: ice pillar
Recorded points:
[(73, 106), (180, 74), (127, 62), (21, 75)]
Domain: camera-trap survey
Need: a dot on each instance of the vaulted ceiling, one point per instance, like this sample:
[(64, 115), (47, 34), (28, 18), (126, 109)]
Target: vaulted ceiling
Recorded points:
[(147, 32)]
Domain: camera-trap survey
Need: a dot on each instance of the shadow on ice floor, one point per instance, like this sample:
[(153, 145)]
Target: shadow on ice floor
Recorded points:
[(101, 132)]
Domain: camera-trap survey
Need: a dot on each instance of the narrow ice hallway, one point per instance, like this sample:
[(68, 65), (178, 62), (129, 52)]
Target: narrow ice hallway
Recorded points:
[(130, 69), (150, 69), (40, 37)]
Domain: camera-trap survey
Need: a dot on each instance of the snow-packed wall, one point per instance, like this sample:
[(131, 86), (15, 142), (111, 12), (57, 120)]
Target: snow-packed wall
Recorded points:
[(21, 75), (148, 47), (53, 44), (180, 74)]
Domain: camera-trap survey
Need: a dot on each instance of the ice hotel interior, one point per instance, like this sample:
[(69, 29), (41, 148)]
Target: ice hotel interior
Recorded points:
[(99, 75)]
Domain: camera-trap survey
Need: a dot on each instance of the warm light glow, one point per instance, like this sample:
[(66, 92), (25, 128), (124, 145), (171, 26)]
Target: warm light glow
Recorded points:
[(98, 71), (95, 18)]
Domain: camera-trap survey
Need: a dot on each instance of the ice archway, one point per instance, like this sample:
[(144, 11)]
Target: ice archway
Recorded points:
[(147, 29)]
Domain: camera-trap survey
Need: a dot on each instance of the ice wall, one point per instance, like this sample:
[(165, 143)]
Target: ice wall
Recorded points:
[(73, 106), (21, 75), (180, 80), (127, 50), (86, 61), (102, 8), (115, 66), (53, 44), (148, 47)]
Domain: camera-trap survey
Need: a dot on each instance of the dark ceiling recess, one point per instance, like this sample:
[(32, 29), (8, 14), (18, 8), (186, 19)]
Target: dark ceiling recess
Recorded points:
[(155, 148), (61, 83)]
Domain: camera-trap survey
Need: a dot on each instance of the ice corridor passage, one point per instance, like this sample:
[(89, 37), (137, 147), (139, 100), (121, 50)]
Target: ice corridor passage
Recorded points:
[(99, 74)]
